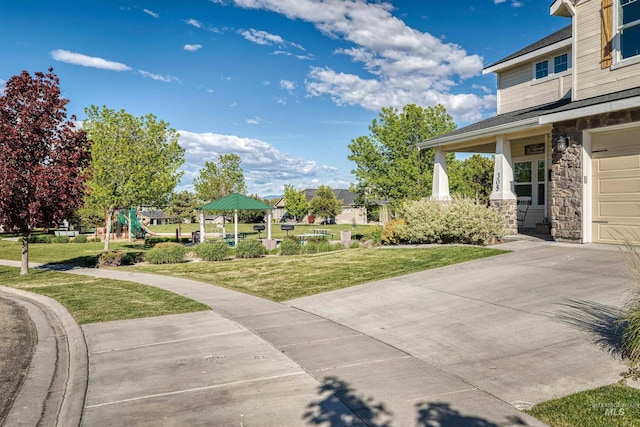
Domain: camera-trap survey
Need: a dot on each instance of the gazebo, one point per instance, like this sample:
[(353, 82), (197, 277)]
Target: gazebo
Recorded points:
[(235, 202)]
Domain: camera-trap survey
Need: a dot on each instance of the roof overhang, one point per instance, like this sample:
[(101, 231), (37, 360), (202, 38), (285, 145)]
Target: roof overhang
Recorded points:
[(564, 8), (528, 57), (483, 134), (591, 110)]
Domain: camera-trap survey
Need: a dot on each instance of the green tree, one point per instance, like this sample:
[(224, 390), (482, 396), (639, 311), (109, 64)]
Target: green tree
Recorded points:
[(135, 160), (324, 203), (218, 180), (389, 165), (471, 177), (182, 206), (251, 216), (295, 202)]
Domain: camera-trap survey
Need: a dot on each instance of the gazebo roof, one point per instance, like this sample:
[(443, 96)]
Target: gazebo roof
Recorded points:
[(235, 201)]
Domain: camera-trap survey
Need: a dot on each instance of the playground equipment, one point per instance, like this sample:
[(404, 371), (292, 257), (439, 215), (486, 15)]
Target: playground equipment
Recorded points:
[(120, 224)]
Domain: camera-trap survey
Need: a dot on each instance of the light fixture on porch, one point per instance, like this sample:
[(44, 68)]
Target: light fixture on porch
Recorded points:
[(561, 143)]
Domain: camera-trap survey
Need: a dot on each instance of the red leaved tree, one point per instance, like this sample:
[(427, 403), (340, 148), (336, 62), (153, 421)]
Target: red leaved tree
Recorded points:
[(43, 159)]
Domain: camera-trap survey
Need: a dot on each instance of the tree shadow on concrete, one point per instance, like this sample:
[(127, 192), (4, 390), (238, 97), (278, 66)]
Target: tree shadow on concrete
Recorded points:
[(329, 410), (440, 414), (339, 404), (601, 322)]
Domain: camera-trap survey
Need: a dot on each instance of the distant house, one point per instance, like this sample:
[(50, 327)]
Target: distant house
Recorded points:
[(566, 139), (350, 213), (155, 217)]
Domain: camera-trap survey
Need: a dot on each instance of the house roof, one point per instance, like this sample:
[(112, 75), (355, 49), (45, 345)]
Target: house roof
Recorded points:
[(155, 214), (556, 37), (346, 196), (560, 106)]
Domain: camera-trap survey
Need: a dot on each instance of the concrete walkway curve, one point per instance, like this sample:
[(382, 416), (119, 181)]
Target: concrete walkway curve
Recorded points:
[(54, 390)]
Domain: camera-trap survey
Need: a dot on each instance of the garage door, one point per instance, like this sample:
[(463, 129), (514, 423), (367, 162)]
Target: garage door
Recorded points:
[(616, 187)]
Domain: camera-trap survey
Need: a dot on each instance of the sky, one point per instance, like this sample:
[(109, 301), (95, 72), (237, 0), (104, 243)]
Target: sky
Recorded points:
[(285, 84)]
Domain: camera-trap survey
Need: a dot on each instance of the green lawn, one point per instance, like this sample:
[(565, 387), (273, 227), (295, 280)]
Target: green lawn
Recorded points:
[(64, 253), (281, 278), (90, 299), (610, 406)]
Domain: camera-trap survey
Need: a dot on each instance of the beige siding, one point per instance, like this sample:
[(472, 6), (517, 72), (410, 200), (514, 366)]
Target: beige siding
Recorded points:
[(591, 79), (518, 90)]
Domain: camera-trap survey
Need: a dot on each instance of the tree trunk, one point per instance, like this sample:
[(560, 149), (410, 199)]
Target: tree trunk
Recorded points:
[(107, 235), (24, 266)]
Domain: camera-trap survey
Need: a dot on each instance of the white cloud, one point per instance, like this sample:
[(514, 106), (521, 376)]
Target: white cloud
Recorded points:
[(499, 1), (3, 84), (151, 13), (159, 77), (262, 37), (285, 53), (265, 168), (194, 23), (287, 85), (192, 47), (87, 61), (253, 121), (400, 64)]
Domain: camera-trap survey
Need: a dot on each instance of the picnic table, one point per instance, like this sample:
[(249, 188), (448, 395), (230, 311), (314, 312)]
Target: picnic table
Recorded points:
[(306, 236), (242, 235), (322, 231)]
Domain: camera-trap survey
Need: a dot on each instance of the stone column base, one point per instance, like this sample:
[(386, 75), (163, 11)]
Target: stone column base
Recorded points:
[(508, 209)]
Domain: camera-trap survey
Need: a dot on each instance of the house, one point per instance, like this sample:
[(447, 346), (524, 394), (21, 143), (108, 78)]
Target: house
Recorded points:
[(155, 217), (350, 213), (567, 129)]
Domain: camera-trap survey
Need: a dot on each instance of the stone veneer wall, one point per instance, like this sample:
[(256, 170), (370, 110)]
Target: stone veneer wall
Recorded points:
[(509, 210), (566, 172)]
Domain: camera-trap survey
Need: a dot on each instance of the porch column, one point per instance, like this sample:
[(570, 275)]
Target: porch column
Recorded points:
[(440, 187), (502, 198), (202, 226)]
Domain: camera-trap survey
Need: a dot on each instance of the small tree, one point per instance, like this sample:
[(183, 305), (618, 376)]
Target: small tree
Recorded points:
[(325, 204), (43, 159), (182, 206), (218, 180), (135, 161), (295, 202)]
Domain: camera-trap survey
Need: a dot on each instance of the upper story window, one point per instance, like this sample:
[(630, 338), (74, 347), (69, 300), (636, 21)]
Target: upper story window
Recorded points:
[(549, 67), (542, 69), (629, 28), (560, 63)]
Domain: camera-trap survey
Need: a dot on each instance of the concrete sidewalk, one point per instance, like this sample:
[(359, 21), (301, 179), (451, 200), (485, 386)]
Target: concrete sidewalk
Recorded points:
[(461, 345)]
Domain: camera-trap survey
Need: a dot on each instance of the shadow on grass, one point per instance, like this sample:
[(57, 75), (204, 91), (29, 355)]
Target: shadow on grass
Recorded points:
[(601, 322), (336, 394)]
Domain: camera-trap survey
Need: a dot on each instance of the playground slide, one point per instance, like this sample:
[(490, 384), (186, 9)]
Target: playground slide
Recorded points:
[(146, 229)]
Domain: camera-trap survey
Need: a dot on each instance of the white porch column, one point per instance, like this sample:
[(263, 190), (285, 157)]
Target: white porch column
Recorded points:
[(269, 216), (503, 172), (440, 187), (202, 226)]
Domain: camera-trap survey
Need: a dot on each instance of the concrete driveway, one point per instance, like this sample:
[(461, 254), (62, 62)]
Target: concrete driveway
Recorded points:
[(525, 327)]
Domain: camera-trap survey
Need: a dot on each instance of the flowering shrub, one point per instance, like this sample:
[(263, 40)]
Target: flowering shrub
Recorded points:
[(463, 220)]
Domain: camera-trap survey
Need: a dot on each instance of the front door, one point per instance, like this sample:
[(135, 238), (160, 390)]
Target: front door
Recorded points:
[(530, 180)]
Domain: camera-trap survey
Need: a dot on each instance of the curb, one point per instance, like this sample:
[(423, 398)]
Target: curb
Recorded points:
[(54, 391)]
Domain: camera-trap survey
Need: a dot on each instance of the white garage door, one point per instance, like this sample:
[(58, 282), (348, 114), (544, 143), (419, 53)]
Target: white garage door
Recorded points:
[(616, 187)]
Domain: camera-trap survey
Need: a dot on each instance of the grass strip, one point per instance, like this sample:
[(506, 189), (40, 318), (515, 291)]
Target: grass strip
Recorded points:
[(90, 299), (614, 405), (281, 278)]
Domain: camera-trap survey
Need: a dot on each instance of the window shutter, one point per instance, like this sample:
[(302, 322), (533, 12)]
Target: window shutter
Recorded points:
[(606, 36)]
